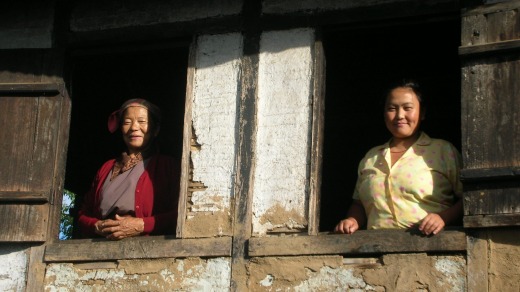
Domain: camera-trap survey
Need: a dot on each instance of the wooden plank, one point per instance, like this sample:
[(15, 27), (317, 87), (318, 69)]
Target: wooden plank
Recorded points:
[(477, 261), (23, 222), (490, 8), (36, 269), (186, 141), (247, 124), (492, 220), (318, 111), (490, 138), (7, 89), (490, 24), (31, 149), (88, 16), (60, 160), (393, 8), (497, 199), (494, 48), (28, 196), (361, 242), (497, 173), (146, 247)]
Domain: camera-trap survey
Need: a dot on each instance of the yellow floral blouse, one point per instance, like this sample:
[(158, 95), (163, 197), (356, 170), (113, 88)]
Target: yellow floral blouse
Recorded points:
[(424, 180)]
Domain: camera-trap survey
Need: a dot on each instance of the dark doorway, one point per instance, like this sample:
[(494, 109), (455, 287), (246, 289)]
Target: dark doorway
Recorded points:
[(100, 81), (361, 65)]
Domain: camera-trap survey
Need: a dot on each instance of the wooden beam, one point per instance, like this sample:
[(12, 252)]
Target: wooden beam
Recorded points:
[(361, 242), (295, 13), (186, 141), (36, 269), (393, 8), (496, 173), (247, 128), (492, 220), (15, 196), (316, 156), (36, 89), (147, 247), (495, 48), (490, 8)]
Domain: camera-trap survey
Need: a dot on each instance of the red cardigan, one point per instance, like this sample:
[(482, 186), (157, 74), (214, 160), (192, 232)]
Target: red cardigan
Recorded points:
[(156, 198)]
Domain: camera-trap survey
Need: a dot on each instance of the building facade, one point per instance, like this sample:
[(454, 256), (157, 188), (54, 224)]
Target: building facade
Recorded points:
[(268, 107)]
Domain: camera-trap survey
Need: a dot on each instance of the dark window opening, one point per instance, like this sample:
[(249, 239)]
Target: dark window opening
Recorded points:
[(361, 63), (100, 82)]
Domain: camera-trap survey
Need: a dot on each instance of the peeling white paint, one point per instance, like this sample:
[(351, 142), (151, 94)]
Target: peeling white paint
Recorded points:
[(215, 276), (284, 124), (329, 279), (204, 275), (290, 224), (452, 270), (13, 267), (267, 281), (215, 94)]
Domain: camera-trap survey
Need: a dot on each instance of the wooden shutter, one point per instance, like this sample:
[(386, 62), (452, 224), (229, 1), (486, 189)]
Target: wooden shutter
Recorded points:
[(490, 55), (34, 115)]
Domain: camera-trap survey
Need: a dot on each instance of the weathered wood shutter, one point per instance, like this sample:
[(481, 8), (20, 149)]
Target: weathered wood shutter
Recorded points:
[(34, 115), (490, 55)]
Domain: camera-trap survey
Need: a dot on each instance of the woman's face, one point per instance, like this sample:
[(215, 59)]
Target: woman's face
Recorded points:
[(402, 113), (136, 129)]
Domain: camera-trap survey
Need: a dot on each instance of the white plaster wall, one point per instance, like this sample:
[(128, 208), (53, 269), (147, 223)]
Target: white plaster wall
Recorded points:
[(167, 275), (13, 267), (284, 125), (215, 94)]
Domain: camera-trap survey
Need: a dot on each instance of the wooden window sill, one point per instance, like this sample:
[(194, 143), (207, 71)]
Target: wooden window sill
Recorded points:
[(361, 242), (146, 247)]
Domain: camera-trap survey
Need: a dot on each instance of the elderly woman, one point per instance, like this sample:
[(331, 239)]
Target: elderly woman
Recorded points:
[(137, 193), (412, 180)]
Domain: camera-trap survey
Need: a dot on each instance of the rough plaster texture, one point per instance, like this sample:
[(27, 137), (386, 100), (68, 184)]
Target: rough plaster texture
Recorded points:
[(192, 274), (281, 177), (13, 267), (399, 272), (214, 105), (504, 260)]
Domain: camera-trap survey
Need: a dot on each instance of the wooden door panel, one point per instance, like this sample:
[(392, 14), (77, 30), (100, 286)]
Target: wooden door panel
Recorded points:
[(29, 142), (490, 106), (23, 222)]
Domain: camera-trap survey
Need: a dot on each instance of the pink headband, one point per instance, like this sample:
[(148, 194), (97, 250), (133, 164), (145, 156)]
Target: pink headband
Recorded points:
[(114, 118)]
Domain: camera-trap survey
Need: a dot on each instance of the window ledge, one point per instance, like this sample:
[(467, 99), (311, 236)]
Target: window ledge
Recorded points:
[(146, 247), (361, 242)]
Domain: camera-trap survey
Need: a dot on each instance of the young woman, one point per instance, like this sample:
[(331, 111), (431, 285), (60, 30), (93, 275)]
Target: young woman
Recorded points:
[(412, 180)]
